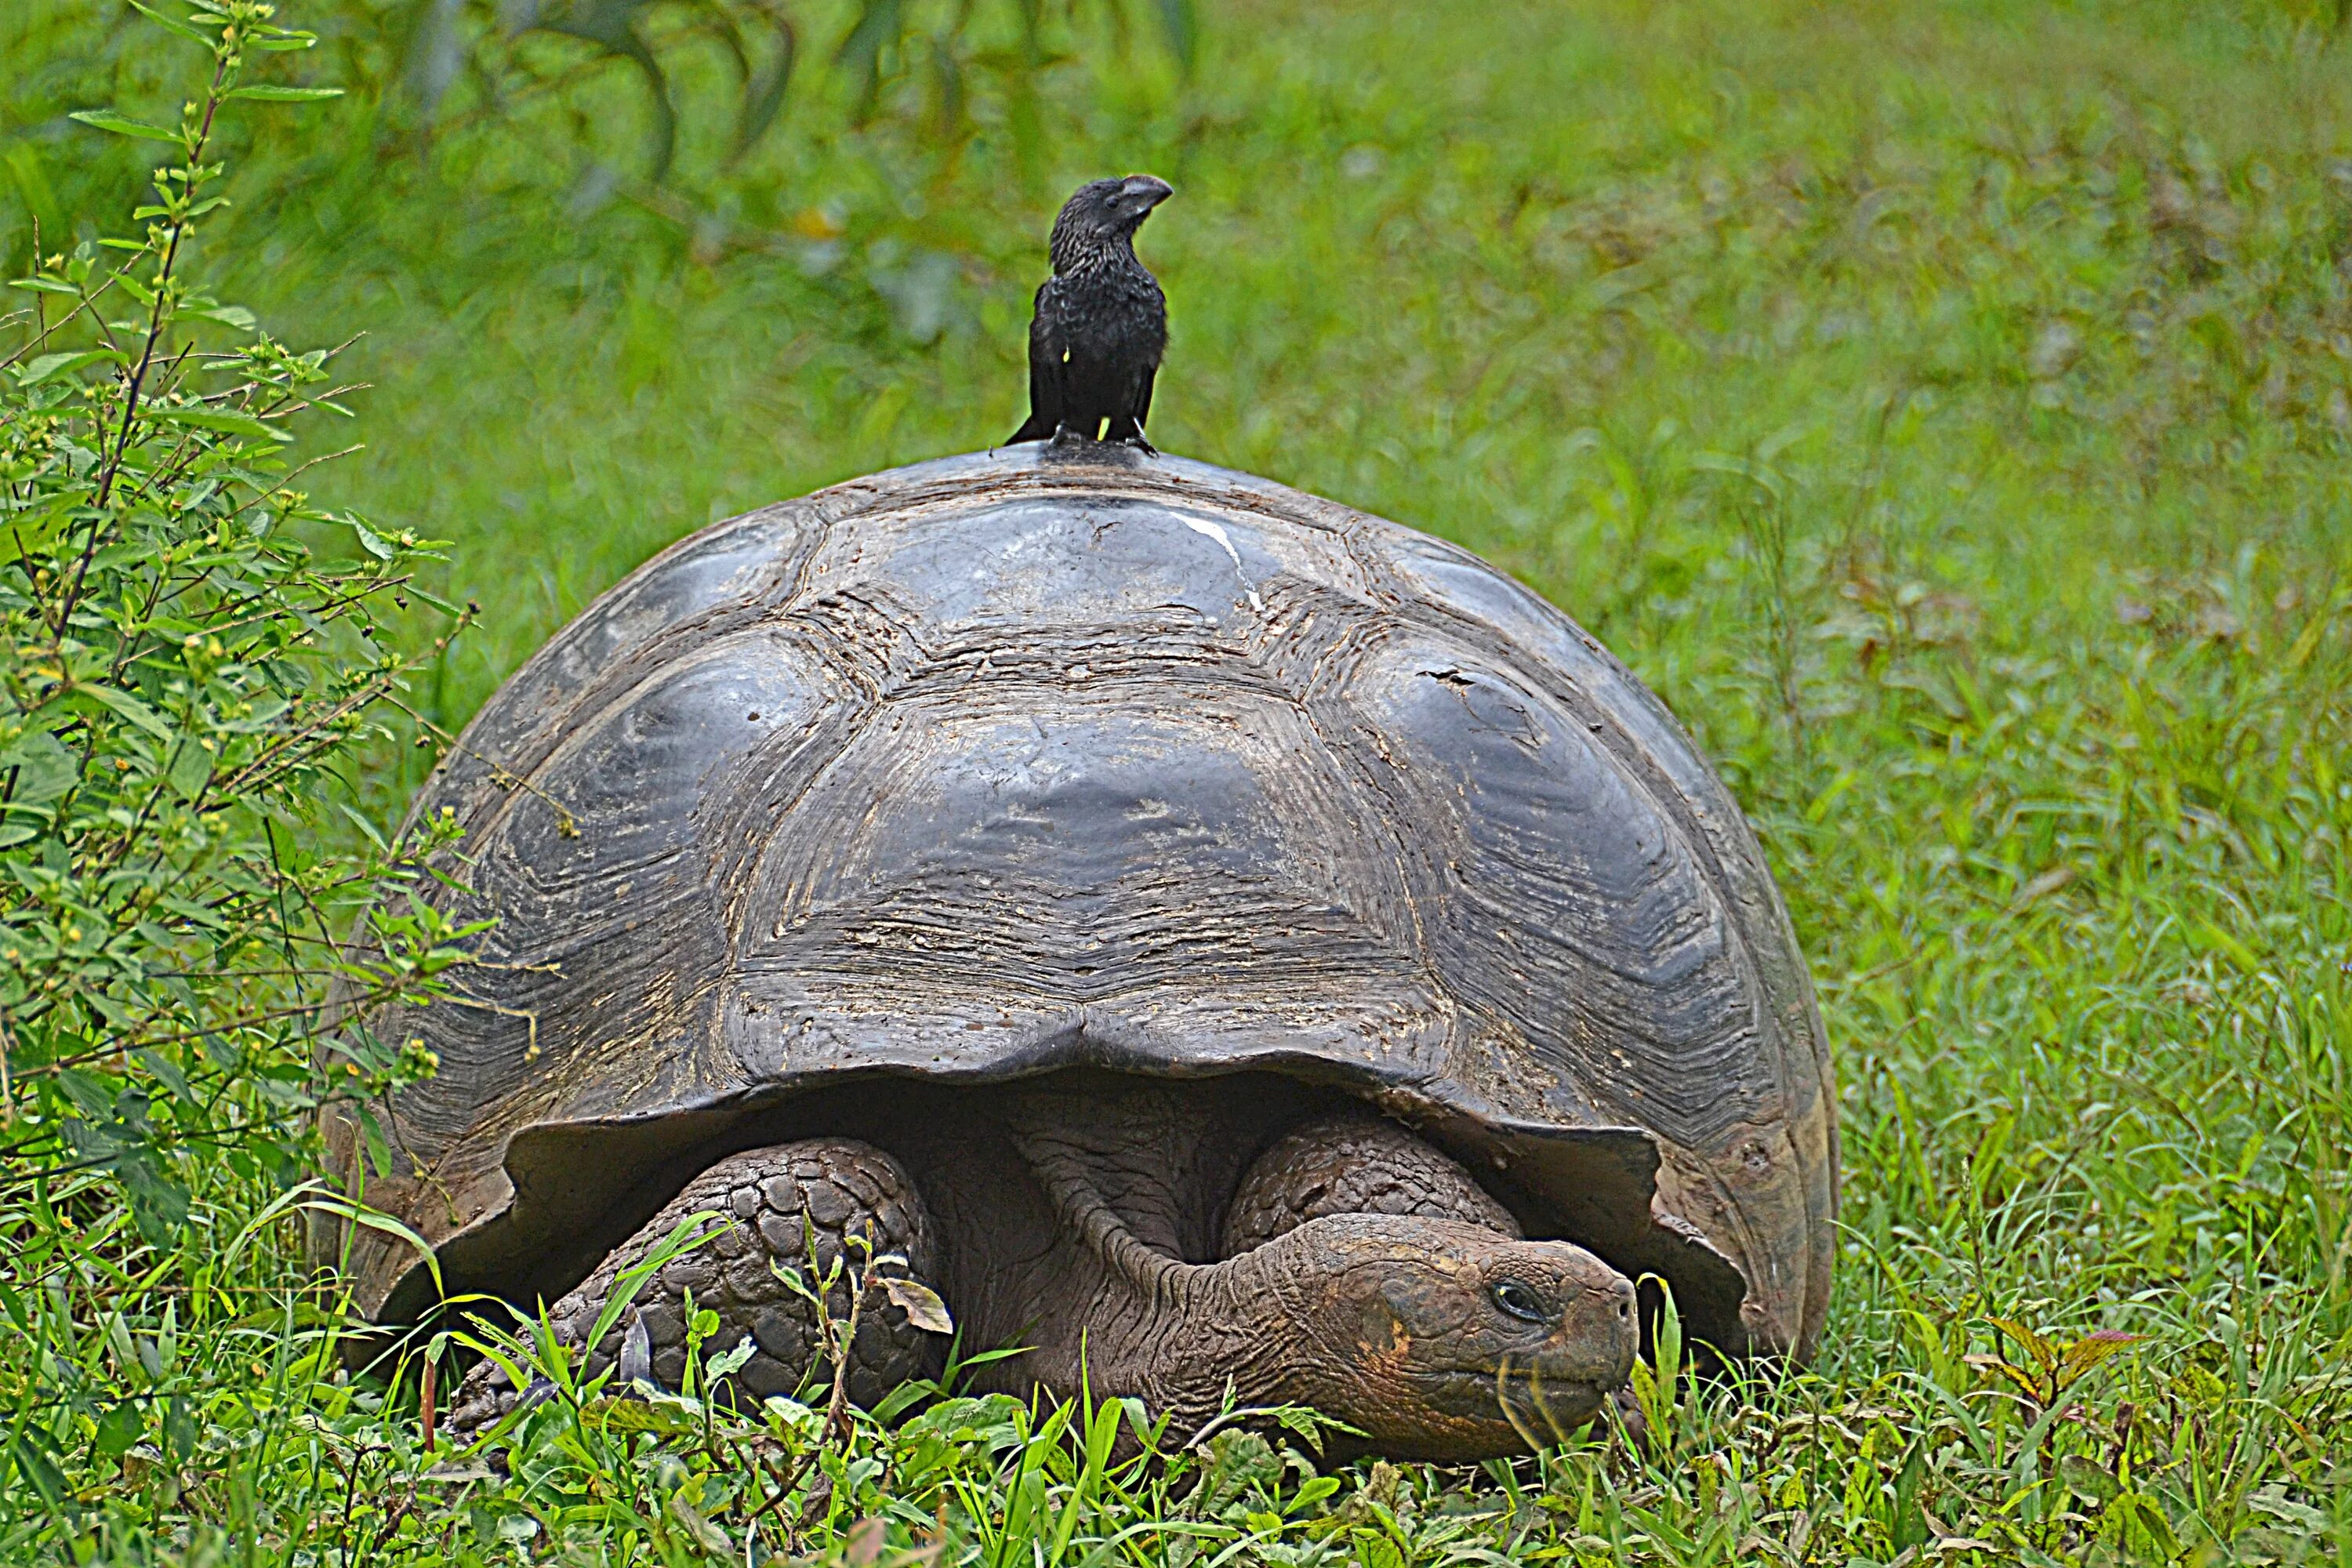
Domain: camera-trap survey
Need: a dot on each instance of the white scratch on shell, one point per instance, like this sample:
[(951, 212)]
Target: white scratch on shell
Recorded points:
[(1216, 531)]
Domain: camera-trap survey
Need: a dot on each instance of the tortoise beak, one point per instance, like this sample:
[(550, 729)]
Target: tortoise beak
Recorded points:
[(1140, 193)]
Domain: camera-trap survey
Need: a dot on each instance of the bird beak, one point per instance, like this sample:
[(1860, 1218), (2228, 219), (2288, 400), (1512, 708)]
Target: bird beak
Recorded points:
[(1141, 192)]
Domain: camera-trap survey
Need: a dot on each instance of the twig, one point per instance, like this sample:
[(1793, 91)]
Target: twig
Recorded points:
[(428, 1386), (843, 1340)]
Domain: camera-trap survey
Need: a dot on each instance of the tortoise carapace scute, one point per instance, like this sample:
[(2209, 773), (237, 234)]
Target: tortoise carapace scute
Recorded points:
[(1064, 766)]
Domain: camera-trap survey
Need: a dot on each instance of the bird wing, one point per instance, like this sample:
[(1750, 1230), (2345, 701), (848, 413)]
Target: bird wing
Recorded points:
[(1048, 349), (1143, 397)]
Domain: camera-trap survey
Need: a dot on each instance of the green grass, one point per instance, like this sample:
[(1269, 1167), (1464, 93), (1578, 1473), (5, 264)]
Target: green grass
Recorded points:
[(1947, 409)]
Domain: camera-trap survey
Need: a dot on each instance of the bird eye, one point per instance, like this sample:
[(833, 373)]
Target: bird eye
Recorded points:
[(1519, 1300)]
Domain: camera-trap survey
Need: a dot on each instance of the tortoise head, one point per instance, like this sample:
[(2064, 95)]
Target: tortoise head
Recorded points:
[(1447, 1340)]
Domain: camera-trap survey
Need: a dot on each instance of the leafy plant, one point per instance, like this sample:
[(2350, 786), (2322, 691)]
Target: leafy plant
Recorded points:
[(515, 50), (186, 667), (2050, 1367)]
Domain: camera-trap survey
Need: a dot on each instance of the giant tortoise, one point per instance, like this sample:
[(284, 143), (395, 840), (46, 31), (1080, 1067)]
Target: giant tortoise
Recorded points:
[(1231, 945)]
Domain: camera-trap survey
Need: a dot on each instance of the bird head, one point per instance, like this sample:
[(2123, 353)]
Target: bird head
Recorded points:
[(1102, 215)]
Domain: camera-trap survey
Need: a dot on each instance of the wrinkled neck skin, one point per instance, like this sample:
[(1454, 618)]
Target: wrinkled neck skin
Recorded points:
[(1176, 1335), (1403, 1326)]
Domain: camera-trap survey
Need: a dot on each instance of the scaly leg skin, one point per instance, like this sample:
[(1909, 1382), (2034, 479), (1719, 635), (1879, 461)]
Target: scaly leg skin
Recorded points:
[(771, 1201), (1353, 1162)]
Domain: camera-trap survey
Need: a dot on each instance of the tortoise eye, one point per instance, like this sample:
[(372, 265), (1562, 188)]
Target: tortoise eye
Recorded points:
[(1519, 1300)]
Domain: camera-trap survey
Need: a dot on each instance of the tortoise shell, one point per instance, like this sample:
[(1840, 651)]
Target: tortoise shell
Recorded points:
[(1051, 758)]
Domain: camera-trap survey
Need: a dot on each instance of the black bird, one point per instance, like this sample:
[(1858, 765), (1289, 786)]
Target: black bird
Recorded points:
[(1101, 321)]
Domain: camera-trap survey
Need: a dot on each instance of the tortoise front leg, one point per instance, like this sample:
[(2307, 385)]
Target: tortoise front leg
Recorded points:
[(771, 1201)]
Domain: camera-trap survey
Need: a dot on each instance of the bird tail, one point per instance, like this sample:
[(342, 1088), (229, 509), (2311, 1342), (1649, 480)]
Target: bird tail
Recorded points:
[(1036, 429)]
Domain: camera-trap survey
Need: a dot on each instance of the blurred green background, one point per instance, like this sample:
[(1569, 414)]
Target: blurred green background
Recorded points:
[(2012, 300), (1946, 407)]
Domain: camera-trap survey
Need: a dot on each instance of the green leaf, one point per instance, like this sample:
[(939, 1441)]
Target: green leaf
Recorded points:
[(1313, 1492), (2085, 1477), (36, 529), (764, 90), (1993, 1365), (364, 825), (130, 707), (2207, 934), (117, 1429), (372, 541), (47, 366), (1181, 20), (192, 770), (920, 1303), (221, 419), (2091, 1349), (181, 29), (45, 769), (605, 1414), (237, 316), (28, 1451), (379, 1148), (159, 1205), (1910, 1529), (284, 94), (295, 1314), (179, 1429), (878, 24), (710, 1537), (2039, 1350), (2144, 1520), (167, 1073), (729, 1363), (31, 179), (85, 1093), (375, 1220), (123, 125)]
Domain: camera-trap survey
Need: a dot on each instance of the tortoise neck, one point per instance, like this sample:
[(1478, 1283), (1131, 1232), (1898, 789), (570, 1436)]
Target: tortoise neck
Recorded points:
[(1178, 1335)]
